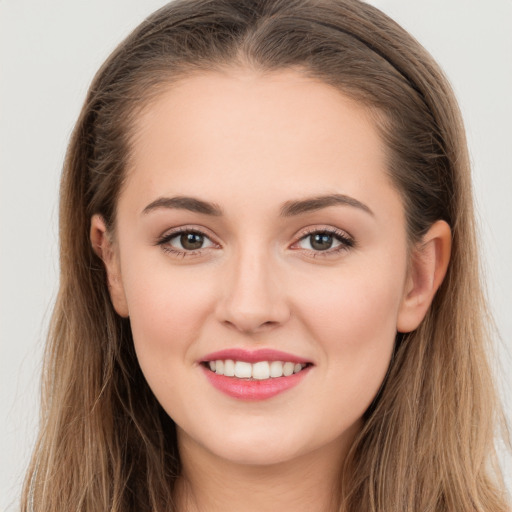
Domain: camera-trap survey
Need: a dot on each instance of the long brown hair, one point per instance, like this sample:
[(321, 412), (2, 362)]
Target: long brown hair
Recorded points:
[(427, 442)]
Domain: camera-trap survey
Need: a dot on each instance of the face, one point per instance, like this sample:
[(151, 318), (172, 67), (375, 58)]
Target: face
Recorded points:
[(257, 235)]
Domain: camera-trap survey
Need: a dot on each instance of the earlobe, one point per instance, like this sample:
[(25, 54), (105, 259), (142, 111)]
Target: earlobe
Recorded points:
[(429, 263), (104, 248)]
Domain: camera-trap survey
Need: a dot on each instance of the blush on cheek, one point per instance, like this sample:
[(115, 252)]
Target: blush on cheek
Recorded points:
[(168, 314), (355, 310), (356, 322)]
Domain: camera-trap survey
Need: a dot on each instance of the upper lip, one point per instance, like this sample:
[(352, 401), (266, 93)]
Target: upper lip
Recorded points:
[(253, 356)]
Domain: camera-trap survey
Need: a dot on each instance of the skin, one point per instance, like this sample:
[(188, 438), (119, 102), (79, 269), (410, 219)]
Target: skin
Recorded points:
[(250, 144)]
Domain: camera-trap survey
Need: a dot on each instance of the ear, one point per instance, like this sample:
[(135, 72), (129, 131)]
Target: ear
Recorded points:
[(429, 262), (104, 247)]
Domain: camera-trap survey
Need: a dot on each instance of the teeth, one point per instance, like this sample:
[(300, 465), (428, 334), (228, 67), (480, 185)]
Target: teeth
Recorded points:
[(276, 369), (261, 370), (229, 368), (288, 369), (243, 370)]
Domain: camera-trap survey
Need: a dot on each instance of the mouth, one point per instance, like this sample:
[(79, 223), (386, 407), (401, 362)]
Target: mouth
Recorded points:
[(254, 375), (260, 370)]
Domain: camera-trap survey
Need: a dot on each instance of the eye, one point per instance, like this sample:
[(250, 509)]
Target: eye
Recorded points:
[(185, 242), (318, 241), (190, 241), (328, 241)]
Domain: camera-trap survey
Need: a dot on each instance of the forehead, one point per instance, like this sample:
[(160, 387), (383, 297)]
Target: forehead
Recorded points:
[(254, 132), (254, 108)]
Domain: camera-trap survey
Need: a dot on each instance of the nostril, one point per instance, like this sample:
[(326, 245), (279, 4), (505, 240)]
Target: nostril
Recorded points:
[(252, 299), (248, 325)]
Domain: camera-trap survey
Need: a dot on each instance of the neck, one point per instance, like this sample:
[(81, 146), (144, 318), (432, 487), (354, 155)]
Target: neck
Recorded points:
[(308, 483)]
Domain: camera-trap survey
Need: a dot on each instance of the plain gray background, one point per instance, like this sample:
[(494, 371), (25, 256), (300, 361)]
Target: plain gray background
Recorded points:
[(49, 52)]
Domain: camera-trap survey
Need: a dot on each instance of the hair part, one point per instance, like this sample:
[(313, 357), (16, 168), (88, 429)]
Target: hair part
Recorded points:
[(428, 440)]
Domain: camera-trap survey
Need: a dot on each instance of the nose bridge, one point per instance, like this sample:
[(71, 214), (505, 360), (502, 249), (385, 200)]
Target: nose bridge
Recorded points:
[(253, 298)]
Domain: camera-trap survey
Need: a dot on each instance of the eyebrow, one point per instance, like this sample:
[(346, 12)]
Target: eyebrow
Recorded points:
[(184, 203), (289, 208)]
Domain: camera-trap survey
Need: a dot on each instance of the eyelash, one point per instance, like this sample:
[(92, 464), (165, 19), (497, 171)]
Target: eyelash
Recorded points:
[(346, 242), (165, 239)]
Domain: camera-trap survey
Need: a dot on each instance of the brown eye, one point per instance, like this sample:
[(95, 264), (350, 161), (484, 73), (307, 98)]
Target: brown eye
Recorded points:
[(186, 241), (191, 241), (325, 241), (321, 241)]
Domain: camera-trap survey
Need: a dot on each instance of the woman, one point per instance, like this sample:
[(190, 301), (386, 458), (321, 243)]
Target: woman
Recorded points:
[(269, 290)]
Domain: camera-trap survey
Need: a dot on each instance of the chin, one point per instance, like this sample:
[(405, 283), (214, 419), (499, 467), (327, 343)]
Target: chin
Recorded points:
[(259, 445), (258, 454)]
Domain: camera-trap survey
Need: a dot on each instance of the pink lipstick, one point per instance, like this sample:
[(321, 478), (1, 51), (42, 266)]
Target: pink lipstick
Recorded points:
[(254, 375)]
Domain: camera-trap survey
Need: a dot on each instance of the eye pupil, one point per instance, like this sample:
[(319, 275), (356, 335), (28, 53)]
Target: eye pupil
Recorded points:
[(191, 241), (321, 241)]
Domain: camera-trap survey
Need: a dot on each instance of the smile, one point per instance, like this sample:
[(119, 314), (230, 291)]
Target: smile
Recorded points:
[(254, 375), (261, 370)]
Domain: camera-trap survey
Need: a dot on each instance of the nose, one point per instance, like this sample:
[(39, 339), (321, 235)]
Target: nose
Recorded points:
[(254, 298)]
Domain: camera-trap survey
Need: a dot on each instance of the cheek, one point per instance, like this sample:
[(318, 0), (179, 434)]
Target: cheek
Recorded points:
[(168, 311), (353, 320), (360, 300)]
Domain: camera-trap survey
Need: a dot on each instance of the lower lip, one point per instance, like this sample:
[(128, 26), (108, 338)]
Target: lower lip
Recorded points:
[(251, 390)]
